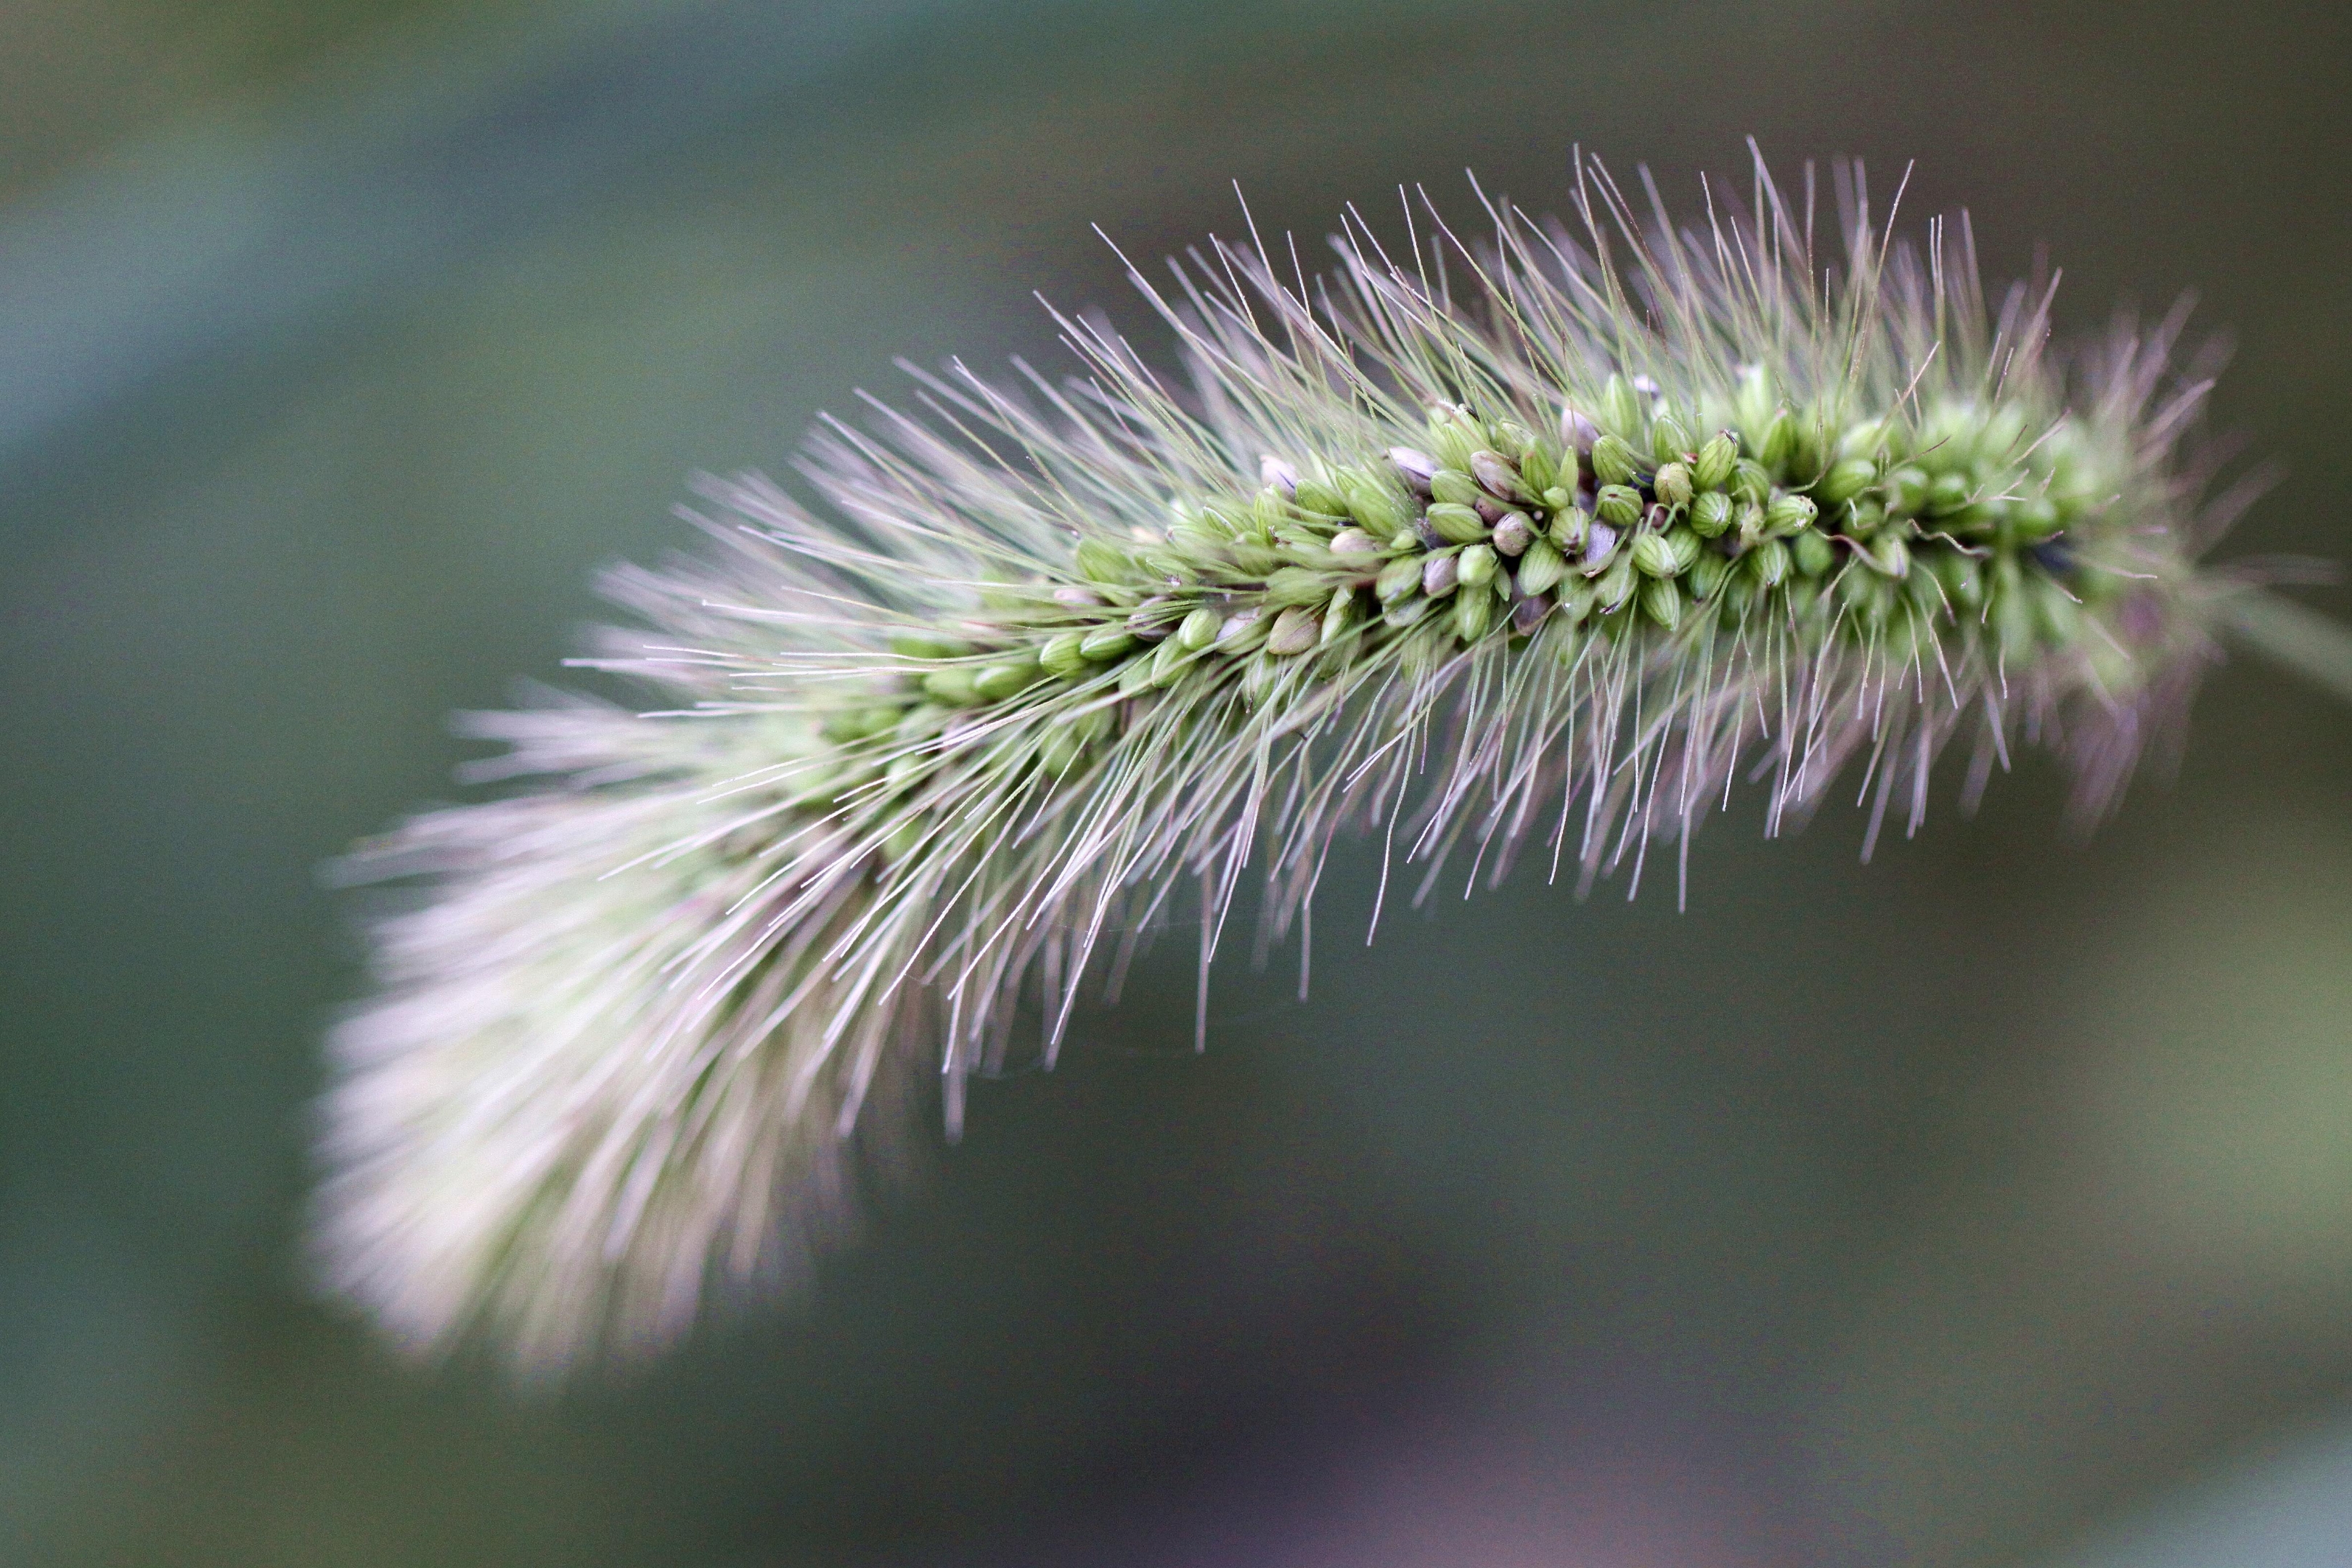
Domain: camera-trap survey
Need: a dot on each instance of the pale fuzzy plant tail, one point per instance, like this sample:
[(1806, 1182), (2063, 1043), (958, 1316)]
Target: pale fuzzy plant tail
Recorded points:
[(1541, 542)]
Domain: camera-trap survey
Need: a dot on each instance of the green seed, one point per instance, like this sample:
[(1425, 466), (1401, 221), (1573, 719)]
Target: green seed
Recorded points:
[(1711, 514), (1314, 496), (1788, 514), (1198, 629), (1715, 462), (1751, 481), (1401, 579), (1242, 630), (1063, 654), (1844, 481), (1620, 408), (1473, 615), (917, 645), (1668, 440), (1168, 661), (1440, 574), (1456, 524), (1653, 556), (1618, 506), (1674, 485), (1542, 567), (1768, 563), (1613, 462), (1706, 574), (1813, 553), (1455, 485), (999, 681), (1477, 566), (1296, 630), (954, 685), (1099, 560), (1338, 616), (1569, 527), (1107, 642), (1615, 587), (1663, 602)]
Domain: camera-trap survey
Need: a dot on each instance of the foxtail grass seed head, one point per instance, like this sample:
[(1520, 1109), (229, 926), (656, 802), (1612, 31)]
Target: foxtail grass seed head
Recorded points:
[(1541, 541)]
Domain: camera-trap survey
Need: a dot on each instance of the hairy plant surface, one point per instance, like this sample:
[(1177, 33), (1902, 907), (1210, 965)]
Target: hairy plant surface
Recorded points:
[(1542, 543)]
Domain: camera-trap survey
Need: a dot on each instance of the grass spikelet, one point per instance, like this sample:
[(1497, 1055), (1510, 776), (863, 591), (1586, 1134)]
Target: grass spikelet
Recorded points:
[(1540, 542)]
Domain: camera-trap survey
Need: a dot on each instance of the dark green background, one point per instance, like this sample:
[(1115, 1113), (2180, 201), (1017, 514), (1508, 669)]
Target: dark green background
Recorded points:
[(1985, 1205)]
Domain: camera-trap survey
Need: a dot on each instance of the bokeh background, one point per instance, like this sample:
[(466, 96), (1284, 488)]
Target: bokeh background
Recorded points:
[(1987, 1205)]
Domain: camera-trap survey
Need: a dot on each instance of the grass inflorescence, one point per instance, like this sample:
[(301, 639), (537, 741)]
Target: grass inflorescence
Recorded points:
[(1541, 541)]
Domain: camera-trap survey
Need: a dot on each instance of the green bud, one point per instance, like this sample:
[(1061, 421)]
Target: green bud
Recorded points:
[(955, 685), (1706, 574), (1613, 462), (1569, 527), (1768, 563), (1560, 498), (1400, 579), (1313, 495), (1456, 524), (1668, 440), (1947, 493), (1135, 676), (1513, 439), (1618, 506), (1711, 514), (1780, 443), (1653, 556), (1107, 642), (1100, 561), (1788, 514), (1663, 602), (1062, 655), (1168, 661), (1870, 598), (1812, 551), (1750, 520), (1750, 481), (1620, 409), (917, 645), (1296, 630), (1844, 481), (1440, 574), (1477, 567), (1717, 460), (1674, 485), (999, 681), (1473, 615)]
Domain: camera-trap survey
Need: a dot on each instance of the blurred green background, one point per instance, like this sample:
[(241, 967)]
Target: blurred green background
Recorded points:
[(1991, 1204)]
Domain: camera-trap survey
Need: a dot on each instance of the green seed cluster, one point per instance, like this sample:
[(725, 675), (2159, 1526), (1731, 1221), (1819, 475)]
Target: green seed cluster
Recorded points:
[(1960, 519)]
